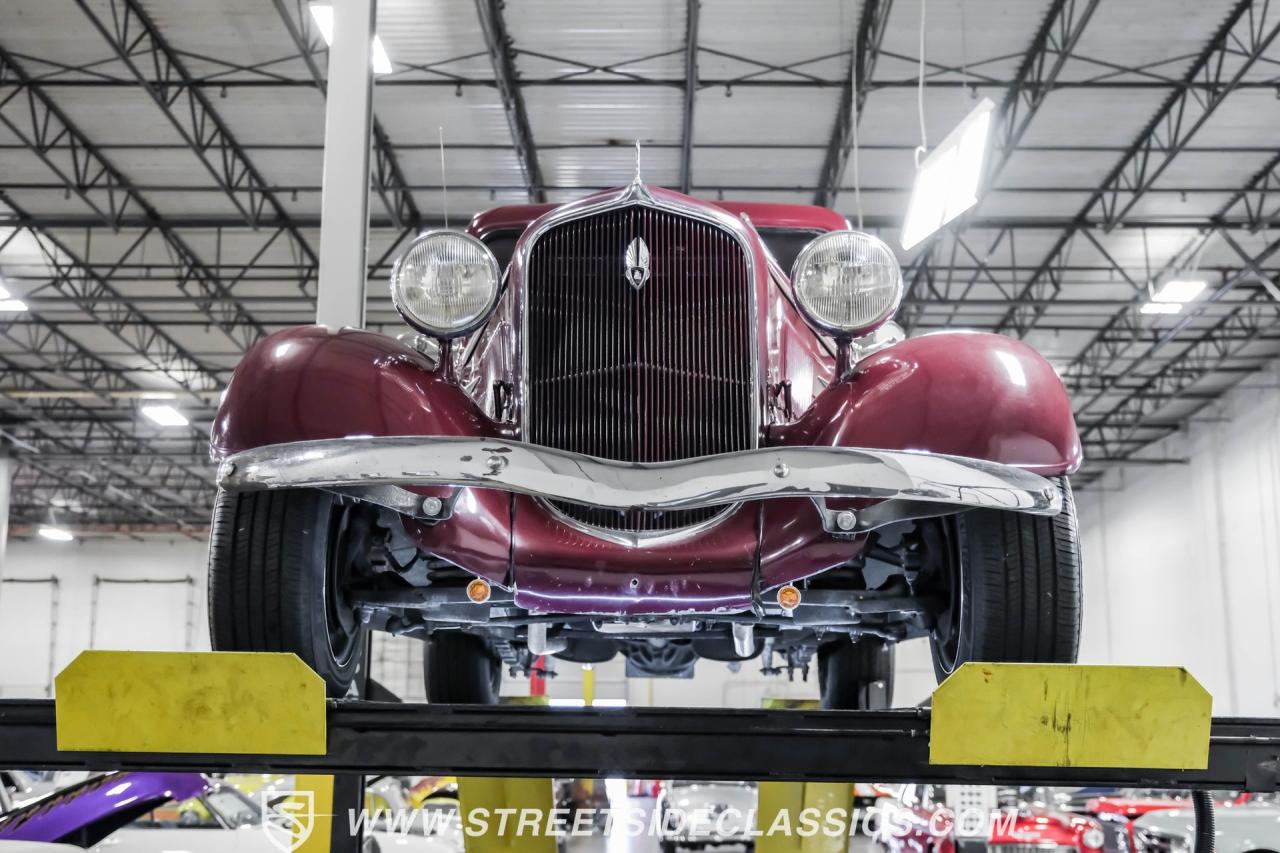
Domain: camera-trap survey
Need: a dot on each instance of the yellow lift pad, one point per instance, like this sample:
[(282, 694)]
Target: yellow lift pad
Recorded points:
[(1068, 715), (190, 702)]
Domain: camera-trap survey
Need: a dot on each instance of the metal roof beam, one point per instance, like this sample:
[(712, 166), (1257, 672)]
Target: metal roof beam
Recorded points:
[(135, 38), (1242, 42), (1240, 28), (47, 132), (233, 226), (862, 62), (83, 286), (1250, 321), (499, 43), (1037, 76)]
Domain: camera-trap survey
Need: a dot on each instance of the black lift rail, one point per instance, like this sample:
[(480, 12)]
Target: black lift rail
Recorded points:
[(650, 743)]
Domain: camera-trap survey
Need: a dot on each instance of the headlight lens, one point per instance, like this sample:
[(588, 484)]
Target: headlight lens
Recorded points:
[(1093, 838), (847, 282), (445, 284)]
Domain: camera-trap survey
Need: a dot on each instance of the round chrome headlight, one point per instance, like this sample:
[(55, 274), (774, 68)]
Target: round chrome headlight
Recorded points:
[(445, 284), (847, 282)]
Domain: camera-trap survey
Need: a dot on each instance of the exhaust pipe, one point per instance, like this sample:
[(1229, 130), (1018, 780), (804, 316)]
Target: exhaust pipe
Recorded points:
[(539, 644)]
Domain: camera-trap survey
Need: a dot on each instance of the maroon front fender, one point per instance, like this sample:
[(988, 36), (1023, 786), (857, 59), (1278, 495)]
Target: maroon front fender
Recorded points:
[(962, 393), (311, 382)]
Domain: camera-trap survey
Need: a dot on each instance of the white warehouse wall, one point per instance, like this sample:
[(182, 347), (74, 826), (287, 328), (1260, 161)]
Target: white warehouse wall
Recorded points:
[(57, 598), (1182, 566), (1182, 562)]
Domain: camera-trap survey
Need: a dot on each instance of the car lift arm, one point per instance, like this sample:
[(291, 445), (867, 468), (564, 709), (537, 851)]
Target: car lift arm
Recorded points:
[(884, 746)]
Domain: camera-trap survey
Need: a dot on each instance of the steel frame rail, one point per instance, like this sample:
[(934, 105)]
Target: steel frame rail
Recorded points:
[(474, 740)]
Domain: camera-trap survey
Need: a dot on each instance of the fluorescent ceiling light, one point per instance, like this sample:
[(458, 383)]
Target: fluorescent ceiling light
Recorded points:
[(165, 415), (566, 703), (8, 303), (1180, 290), (947, 181), (381, 62), (609, 703), (323, 15), (57, 534), (1162, 308)]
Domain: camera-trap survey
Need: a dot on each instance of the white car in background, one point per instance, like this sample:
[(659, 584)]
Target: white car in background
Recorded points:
[(1251, 827), (706, 814)]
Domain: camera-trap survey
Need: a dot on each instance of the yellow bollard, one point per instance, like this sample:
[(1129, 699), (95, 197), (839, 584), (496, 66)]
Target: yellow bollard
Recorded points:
[(492, 810), (803, 817)]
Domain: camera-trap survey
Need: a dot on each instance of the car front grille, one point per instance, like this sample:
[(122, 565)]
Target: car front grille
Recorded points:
[(653, 373)]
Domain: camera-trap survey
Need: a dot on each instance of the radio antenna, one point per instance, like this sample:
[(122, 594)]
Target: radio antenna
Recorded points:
[(444, 182)]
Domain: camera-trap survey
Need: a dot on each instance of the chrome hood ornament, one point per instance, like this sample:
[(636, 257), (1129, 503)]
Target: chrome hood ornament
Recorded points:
[(636, 261)]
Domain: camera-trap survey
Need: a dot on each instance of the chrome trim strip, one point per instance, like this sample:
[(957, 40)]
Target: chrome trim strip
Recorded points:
[(513, 466), (636, 193), (639, 538)]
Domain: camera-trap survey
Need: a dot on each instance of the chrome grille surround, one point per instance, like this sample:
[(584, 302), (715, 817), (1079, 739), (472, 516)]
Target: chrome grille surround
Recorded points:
[(638, 195)]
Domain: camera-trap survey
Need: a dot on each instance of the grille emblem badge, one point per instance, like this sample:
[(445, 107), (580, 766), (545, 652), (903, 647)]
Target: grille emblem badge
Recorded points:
[(637, 263)]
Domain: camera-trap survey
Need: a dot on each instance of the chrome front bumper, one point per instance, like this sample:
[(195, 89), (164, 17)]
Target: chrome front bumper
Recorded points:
[(377, 468)]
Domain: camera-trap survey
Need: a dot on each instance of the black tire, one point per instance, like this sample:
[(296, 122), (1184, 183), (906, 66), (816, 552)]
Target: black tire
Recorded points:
[(461, 669), (856, 675), (668, 846), (1018, 597), (277, 565)]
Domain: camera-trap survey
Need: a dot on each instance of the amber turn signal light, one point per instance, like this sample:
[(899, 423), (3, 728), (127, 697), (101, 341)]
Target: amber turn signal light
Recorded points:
[(788, 597), (478, 590)]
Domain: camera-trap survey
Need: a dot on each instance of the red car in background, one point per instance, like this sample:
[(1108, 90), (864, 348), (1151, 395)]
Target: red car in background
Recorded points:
[(1117, 812), (620, 427), (1028, 824)]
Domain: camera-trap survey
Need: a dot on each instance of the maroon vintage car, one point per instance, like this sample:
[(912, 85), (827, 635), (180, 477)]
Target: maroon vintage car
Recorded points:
[(621, 427)]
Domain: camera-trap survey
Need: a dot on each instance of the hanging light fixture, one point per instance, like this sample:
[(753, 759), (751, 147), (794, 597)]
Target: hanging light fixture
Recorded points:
[(948, 179)]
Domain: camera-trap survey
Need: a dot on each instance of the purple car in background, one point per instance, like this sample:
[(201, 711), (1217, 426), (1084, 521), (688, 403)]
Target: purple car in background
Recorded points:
[(87, 812)]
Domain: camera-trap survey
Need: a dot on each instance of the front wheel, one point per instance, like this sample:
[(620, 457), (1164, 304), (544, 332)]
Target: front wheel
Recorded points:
[(279, 562), (1013, 583)]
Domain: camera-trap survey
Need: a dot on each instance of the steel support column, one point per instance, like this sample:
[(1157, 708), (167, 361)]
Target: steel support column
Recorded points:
[(6, 487), (344, 204)]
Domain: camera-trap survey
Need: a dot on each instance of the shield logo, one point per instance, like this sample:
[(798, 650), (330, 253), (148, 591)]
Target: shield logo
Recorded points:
[(288, 824), (637, 263)]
